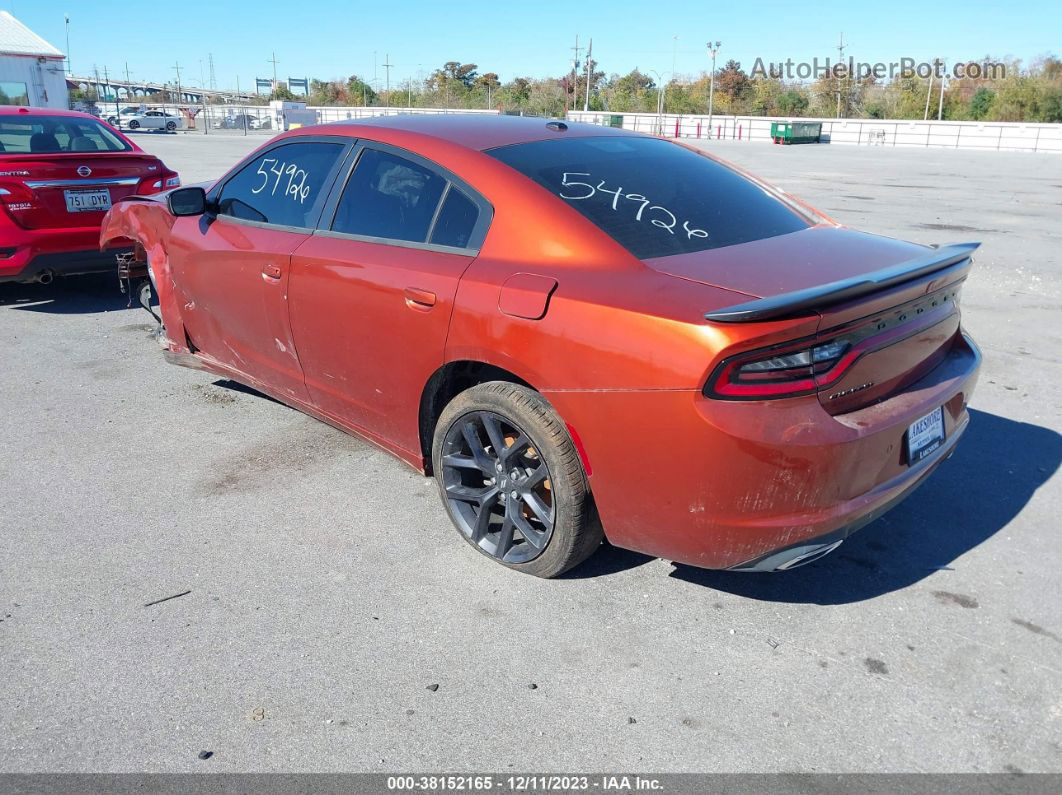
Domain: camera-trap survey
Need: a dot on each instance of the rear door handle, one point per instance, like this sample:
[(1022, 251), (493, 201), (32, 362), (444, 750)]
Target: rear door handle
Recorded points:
[(419, 299), (271, 271)]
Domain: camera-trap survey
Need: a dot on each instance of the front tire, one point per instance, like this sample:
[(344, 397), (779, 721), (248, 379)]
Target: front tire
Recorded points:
[(512, 481), (134, 124), (171, 126)]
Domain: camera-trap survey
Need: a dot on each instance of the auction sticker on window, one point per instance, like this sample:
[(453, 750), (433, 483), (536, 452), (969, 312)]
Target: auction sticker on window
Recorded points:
[(925, 435)]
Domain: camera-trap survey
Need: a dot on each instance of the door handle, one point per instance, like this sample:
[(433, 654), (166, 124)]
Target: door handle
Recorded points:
[(419, 299), (271, 271)]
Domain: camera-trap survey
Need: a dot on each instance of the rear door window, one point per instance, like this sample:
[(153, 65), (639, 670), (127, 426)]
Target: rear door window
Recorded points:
[(282, 185), (654, 197), (389, 197)]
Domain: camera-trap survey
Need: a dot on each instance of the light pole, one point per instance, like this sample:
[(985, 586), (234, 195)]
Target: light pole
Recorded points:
[(713, 49), (69, 68)]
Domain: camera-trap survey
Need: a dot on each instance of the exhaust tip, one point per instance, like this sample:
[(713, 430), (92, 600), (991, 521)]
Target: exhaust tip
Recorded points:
[(46, 277)]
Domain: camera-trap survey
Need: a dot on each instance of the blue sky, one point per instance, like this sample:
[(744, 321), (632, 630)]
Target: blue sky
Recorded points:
[(336, 38)]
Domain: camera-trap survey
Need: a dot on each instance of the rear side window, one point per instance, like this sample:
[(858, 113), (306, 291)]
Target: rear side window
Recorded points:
[(653, 197), (456, 220), (389, 197), (280, 186)]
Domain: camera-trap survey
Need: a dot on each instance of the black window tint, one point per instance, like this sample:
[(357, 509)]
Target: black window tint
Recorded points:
[(281, 185), (390, 197), (653, 197), (456, 220)]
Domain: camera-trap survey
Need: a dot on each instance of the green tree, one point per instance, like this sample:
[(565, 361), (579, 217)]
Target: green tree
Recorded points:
[(981, 103), (792, 103), (359, 92), (281, 91)]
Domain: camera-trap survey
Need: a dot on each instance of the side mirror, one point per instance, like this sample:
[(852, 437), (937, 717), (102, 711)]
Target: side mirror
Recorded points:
[(187, 201)]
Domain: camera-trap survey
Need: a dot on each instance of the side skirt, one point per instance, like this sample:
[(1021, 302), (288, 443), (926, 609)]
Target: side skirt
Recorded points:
[(197, 361)]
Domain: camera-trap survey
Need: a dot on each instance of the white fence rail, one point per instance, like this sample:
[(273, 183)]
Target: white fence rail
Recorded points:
[(987, 136)]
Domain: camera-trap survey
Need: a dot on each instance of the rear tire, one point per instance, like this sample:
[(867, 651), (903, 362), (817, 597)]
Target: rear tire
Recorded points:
[(540, 517)]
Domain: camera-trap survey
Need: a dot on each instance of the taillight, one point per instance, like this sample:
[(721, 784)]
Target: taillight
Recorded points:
[(17, 198), (166, 181), (779, 372)]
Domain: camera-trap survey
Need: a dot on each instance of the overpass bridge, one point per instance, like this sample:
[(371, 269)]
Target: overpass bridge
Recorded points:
[(112, 90)]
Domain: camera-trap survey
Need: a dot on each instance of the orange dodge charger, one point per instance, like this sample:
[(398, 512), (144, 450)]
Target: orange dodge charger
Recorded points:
[(579, 331)]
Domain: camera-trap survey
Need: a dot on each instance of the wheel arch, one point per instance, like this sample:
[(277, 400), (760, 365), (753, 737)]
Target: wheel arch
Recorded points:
[(445, 384)]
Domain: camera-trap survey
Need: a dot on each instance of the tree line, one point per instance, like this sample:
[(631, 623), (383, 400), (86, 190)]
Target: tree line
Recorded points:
[(1030, 93)]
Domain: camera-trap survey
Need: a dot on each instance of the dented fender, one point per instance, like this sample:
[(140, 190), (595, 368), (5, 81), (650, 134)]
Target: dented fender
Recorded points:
[(146, 221)]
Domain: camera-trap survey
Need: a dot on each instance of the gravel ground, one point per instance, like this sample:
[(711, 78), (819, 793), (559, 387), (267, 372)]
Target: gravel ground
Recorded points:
[(331, 620)]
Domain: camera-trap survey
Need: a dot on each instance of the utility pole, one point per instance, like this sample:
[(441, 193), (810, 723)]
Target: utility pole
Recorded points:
[(840, 60), (274, 61), (128, 79), (929, 92), (69, 68), (589, 53), (575, 75), (177, 68), (387, 67), (713, 49), (213, 80), (940, 106)]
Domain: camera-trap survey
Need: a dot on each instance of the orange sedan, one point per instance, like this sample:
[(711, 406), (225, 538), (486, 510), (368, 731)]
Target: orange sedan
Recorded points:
[(579, 331)]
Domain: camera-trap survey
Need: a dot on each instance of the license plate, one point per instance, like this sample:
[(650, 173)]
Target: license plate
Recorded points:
[(925, 435), (87, 201)]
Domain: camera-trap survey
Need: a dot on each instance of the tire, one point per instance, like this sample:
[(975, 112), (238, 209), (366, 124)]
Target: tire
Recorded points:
[(540, 514), (134, 124), (171, 126)]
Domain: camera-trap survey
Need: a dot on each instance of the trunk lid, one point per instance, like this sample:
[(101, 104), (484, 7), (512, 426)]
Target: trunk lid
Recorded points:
[(37, 184), (894, 335)]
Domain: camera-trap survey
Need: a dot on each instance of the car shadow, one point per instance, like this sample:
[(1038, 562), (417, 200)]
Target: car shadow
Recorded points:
[(995, 471), (72, 295)]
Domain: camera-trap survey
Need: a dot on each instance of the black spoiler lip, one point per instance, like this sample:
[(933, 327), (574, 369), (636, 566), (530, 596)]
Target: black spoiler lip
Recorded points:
[(813, 298)]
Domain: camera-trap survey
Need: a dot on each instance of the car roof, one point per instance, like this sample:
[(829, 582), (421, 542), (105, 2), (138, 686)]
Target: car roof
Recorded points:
[(16, 110), (477, 130)]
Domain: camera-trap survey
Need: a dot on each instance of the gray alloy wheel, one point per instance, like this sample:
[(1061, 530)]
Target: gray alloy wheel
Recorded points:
[(512, 481)]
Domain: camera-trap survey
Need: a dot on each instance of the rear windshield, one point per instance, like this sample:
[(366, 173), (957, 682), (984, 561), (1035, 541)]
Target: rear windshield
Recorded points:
[(653, 197), (50, 134)]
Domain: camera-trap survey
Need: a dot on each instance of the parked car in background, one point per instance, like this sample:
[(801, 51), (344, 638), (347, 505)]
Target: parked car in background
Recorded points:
[(241, 121), (123, 115), (155, 120), (60, 171), (574, 328)]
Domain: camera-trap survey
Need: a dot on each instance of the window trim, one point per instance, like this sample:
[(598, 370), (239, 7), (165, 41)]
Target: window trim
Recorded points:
[(475, 239), (327, 186)]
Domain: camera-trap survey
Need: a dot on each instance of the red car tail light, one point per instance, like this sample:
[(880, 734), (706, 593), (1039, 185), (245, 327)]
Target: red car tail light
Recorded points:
[(164, 181), (17, 199), (782, 371)]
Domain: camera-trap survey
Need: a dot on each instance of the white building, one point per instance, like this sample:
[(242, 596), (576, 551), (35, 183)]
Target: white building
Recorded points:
[(31, 69)]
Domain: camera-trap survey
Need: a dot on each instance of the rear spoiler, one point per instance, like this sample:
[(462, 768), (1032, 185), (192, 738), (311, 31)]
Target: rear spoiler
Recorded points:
[(813, 298)]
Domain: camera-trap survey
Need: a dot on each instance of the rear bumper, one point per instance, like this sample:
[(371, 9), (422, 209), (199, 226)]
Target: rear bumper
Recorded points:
[(729, 485), (26, 253)]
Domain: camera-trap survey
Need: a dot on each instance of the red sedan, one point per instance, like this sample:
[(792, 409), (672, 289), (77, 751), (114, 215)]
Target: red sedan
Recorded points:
[(60, 171), (578, 330)]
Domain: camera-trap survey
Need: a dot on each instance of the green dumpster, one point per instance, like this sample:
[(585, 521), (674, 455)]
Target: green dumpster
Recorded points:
[(796, 132), (615, 120)]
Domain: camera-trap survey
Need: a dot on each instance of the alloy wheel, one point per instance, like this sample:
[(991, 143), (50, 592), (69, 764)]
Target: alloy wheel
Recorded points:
[(498, 487)]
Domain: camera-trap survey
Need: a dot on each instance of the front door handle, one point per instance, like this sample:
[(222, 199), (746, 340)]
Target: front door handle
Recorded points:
[(271, 271), (419, 299)]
